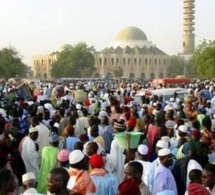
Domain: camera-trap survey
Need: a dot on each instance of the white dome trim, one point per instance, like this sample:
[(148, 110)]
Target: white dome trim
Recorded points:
[(132, 44)]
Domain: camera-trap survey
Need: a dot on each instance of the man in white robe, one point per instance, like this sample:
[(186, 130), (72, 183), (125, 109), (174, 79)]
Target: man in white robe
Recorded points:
[(164, 179), (115, 161), (29, 152), (43, 135)]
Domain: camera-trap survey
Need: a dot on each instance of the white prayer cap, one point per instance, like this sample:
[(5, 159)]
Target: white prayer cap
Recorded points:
[(171, 99), (162, 144), (28, 176), (170, 124), (30, 103), (154, 104), (78, 106), (164, 152), (32, 130), (143, 149), (182, 128), (145, 105), (165, 138), (76, 156), (102, 114)]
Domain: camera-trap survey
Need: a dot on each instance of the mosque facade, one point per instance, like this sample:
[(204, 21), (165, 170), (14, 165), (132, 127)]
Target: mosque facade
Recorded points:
[(42, 65), (134, 54), (131, 51)]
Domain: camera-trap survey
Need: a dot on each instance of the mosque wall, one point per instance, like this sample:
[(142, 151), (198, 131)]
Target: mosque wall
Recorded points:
[(133, 66), (42, 65)]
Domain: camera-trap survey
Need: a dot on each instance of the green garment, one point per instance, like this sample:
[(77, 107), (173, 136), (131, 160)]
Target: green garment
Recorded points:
[(49, 161), (200, 118), (11, 98)]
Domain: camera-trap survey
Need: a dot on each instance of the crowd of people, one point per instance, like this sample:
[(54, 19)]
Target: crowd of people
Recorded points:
[(55, 143)]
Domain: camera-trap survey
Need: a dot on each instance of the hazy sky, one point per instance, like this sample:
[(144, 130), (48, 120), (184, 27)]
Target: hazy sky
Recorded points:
[(38, 27)]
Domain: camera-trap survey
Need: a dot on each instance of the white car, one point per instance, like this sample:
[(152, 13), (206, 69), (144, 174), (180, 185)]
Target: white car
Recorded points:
[(167, 93)]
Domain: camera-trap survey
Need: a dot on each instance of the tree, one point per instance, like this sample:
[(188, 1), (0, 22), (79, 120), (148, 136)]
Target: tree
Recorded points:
[(118, 72), (176, 66), (76, 61), (11, 64), (191, 68), (204, 59)]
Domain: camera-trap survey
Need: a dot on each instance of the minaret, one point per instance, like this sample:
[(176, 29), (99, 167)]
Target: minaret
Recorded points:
[(188, 27)]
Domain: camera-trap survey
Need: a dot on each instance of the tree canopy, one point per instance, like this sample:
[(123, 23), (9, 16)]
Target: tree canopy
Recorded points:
[(75, 61), (204, 59), (176, 66), (11, 64)]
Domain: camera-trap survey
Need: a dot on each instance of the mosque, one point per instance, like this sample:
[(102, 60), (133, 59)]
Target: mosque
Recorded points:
[(131, 50), (134, 54)]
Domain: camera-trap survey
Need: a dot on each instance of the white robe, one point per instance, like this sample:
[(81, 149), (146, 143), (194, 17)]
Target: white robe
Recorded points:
[(30, 156), (115, 161), (31, 191), (43, 137)]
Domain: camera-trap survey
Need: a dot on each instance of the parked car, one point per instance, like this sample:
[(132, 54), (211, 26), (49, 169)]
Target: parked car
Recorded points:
[(167, 93)]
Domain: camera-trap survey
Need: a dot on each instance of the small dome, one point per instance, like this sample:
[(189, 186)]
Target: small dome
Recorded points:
[(131, 34), (65, 46)]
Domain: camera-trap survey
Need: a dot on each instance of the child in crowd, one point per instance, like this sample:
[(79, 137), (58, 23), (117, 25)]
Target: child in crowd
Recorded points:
[(195, 186)]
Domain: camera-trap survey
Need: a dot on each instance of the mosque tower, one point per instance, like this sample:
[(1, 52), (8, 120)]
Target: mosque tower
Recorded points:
[(188, 27)]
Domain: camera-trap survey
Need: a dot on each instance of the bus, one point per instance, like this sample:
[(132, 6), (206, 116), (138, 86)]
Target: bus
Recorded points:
[(169, 82)]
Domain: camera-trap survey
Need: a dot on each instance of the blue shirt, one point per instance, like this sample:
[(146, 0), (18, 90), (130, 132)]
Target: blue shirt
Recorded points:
[(105, 185)]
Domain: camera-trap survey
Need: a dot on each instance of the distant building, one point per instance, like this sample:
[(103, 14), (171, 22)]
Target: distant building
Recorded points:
[(42, 65), (137, 56)]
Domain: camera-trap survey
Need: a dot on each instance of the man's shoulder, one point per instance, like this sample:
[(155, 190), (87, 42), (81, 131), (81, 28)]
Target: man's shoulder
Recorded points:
[(41, 126)]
